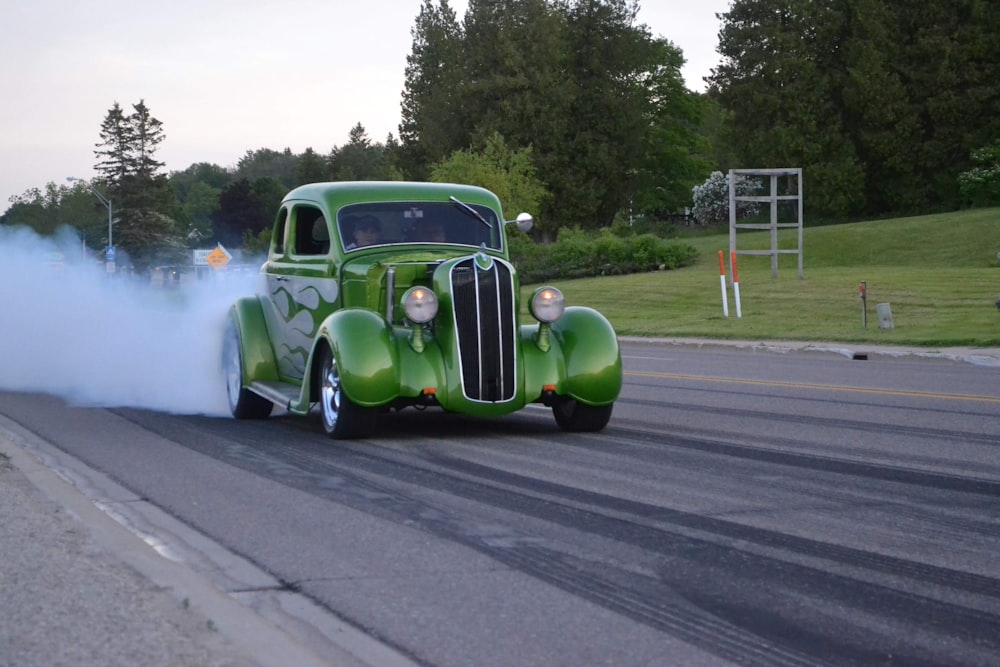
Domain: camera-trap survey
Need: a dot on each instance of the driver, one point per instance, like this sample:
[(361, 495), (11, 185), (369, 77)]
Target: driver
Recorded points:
[(365, 231)]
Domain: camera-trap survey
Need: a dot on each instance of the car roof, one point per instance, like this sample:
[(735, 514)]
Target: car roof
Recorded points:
[(340, 193)]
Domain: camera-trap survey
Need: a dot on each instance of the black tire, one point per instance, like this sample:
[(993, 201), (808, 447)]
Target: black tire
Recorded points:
[(571, 415), (243, 403), (342, 419)]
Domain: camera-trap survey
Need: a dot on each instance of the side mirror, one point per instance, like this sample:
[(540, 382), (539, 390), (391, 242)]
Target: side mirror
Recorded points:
[(524, 221)]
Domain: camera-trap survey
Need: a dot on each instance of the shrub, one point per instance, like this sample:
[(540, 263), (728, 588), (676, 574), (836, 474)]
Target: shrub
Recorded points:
[(980, 186), (578, 254), (711, 199)]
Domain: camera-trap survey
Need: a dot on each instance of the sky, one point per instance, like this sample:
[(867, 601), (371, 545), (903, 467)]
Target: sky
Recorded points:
[(227, 76)]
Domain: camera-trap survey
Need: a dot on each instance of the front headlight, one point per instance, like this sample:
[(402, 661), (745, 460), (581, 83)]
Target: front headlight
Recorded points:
[(547, 304), (420, 305)]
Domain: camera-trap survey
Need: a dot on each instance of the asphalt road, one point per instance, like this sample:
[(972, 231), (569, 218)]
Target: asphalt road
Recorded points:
[(744, 506)]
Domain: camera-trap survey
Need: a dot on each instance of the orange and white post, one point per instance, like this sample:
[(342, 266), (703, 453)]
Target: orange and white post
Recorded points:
[(736, 282), (722, 283)]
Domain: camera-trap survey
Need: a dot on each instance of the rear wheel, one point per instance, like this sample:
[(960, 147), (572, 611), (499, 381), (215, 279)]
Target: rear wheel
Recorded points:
[(572, 415), (342, 419), (243, 403)]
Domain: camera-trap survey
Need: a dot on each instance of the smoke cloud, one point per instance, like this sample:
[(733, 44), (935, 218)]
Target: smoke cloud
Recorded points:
[(70, 329)]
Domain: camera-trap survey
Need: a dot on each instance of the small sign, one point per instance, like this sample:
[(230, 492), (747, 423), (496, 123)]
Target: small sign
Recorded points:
[(884, 312), (109, 254), (218, 257)]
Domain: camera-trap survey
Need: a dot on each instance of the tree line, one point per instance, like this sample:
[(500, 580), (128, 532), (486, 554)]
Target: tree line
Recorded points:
[(575, 111), (881, 102)]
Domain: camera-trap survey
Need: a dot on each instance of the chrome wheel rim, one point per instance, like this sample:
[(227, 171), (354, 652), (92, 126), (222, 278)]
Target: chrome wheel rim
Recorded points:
[(330, 393), (234, 375)]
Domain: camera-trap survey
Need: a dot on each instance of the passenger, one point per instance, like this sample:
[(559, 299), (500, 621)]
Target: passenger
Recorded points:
[(432, 231), (365, 231), (320, 236)]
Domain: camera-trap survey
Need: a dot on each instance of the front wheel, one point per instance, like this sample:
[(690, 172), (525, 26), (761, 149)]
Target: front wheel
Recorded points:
[(572, 415), (243, 403), (342, 419)]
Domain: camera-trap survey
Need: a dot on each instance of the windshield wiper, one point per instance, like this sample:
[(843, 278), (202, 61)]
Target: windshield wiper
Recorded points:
[(471, 211)]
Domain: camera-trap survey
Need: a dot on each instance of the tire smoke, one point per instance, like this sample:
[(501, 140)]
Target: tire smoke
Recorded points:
[(68, 328)]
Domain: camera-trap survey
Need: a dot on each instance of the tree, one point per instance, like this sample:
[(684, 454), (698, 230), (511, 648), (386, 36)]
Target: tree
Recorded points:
[(240, 210), (115, 153), (269, 192), (577, 82), (510, 174), (430, 115), (677, 152), (880, 102), (359, 159), (147, 134), (312, 168), (513, 67), (140, 195), (212, 175), (267, 163), (197, 211), (606, 124), (777, 82), (948, 56)]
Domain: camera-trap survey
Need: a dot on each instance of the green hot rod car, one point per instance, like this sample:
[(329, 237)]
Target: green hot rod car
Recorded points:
[(379, 296)]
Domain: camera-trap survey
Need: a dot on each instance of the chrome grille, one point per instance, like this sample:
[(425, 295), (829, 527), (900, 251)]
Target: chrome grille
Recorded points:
[(485, 328)]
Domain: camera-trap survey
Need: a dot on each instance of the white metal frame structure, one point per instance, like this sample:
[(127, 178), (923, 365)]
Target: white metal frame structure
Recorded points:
[(773, 198)]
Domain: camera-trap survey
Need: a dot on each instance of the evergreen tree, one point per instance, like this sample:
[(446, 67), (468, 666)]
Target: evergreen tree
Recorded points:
[(880, 102), (784, 98), (359, 159), (142, 201), (513, 73), (116, 152), (948, 55), (312, 168), (430, 126), (147, 134), (579, 83), (605, 140)]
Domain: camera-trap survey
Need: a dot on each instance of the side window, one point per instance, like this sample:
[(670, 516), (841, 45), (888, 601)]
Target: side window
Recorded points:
[(312, 233), (278, 237)]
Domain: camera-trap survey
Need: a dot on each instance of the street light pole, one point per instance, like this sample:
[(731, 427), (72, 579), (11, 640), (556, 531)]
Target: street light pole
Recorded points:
[(107, 202)]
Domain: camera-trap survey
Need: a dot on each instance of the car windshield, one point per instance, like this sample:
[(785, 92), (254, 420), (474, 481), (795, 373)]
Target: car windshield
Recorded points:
[(370, 224)]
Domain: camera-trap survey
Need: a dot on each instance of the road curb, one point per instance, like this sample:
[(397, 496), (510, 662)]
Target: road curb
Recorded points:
[(265, 625), (979, 356)]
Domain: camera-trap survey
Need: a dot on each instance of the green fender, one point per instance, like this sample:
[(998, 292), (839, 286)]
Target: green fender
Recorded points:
[(592, 358), (258, 357), (542, 367), (365, 350)]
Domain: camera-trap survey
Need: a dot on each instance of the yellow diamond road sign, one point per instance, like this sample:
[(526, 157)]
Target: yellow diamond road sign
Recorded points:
[(218, 257)]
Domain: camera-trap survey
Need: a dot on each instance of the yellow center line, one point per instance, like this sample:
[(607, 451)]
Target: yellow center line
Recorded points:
[(821, 387)]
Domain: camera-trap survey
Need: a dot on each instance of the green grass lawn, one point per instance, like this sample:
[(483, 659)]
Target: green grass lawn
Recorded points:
[(938, 273)]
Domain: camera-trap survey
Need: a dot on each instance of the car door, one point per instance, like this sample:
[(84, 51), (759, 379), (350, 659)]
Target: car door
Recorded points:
[(301, 285)]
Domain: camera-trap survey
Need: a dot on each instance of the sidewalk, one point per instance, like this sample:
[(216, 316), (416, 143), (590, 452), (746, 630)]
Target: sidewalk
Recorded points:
[(78, 588), (66, 600), (93, 575)]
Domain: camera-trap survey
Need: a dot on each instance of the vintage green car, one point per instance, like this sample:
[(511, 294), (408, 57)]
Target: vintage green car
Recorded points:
[(376, 296)]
